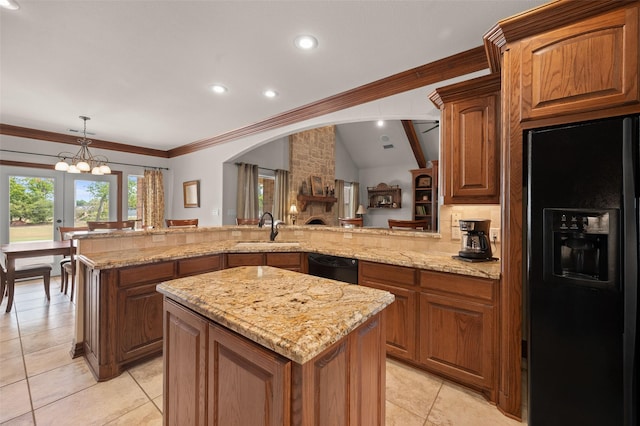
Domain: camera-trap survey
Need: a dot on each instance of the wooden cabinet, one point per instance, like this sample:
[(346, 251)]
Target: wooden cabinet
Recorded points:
[(470, 140), (592, 64), (383, 196), (215, 376), (248, 384), (199, 265), (459, 329), (185, 366), (425, 195), (291, 261), (123, 311), (401, 315)]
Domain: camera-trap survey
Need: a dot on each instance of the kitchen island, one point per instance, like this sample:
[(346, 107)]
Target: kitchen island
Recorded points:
[(262, 345)]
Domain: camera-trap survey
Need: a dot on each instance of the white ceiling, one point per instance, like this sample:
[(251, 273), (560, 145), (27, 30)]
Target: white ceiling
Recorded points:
[(142, 69)]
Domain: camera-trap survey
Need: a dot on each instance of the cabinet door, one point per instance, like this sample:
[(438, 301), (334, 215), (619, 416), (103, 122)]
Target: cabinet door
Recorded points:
[(401, 316), (247, 384), (290, 261), (139, 320), (471, 151), (185, 366), (457, 338), (586, 66), (244, 259)]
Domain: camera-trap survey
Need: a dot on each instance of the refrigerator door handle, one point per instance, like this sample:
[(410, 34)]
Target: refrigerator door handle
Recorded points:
[(630, 224)]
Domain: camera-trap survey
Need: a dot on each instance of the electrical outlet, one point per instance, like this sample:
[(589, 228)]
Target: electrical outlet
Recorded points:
[(455, 219), (494, 234), (455, 233)]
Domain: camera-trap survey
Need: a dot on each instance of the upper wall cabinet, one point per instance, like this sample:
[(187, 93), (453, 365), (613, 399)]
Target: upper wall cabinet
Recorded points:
[(589, 65), (470, 140)]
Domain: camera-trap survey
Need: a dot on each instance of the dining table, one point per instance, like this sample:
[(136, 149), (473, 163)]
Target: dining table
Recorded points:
[(13, 251)]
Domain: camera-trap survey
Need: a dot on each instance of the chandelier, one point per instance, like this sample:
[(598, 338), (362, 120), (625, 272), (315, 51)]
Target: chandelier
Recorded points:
[(83, 161)]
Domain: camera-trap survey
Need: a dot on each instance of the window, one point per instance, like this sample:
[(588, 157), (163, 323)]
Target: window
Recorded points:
[(134, 197), (266, 190), (348, 212)]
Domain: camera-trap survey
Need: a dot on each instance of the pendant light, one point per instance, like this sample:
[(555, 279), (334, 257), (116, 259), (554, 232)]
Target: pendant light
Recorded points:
[(83, 161)]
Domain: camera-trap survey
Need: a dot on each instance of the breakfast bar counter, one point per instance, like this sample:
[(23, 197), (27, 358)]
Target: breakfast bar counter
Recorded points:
[(259, 342)]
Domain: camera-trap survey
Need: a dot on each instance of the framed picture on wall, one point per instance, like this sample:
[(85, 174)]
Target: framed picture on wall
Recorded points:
[(316, 186), (191, 192)]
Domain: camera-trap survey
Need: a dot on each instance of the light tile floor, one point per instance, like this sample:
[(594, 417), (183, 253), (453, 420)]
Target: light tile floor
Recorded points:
[(40, 383)]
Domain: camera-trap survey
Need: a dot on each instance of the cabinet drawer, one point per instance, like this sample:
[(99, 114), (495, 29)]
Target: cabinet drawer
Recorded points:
[(387, 274), (199, 265), (284, 259), (154, 272), (244, 259), (481, 289)]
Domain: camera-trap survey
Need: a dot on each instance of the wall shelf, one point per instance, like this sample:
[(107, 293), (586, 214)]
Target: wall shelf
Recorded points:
[(304, 200), (384, 196)]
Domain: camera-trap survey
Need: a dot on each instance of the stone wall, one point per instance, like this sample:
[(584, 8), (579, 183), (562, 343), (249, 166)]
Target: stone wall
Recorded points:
[(312, 153)]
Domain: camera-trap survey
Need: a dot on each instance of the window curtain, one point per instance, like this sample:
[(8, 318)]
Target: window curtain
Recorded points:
[(340, 196), (153, 199), (355, 199), (247, 195), (281, 196)]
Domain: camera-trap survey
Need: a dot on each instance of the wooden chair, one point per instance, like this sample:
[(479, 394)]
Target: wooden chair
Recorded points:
[(411, 224), (125, 224), (67, 266), (241, 221), (28, 271), (350, 222), (184, 223)]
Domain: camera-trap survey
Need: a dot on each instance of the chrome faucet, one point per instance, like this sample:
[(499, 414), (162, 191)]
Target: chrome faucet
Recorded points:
[(274, 225)]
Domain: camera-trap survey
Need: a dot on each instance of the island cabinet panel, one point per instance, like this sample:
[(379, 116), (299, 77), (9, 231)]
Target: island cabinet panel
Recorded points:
[(154, 272), (458, 329), (592, 64), (199, 265), (185, 366), (292, 261), (213, 375), (248, 385), (401, 315)]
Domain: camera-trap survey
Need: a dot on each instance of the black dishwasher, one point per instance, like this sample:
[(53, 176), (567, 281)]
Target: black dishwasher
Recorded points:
[(333, 267)]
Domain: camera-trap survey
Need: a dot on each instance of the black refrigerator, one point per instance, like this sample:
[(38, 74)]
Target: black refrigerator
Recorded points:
[(582, 192)]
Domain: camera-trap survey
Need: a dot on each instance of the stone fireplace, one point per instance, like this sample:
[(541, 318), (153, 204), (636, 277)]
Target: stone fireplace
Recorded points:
[(312, 153)]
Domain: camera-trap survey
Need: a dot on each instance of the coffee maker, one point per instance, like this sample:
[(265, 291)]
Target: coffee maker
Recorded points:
[(475, 244)]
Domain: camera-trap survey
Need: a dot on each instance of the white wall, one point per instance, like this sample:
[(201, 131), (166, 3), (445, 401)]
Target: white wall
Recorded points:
[(395, 175)]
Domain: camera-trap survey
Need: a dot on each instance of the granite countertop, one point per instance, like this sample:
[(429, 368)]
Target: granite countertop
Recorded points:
[(293, 314), (434, 261)]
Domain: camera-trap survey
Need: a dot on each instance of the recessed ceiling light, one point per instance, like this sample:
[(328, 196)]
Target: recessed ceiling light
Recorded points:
[(9, 4), (218, 88), (270, 93), (380, 123), (306, 42)]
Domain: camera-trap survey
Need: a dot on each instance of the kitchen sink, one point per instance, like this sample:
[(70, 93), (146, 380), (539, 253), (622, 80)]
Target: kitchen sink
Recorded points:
[(257, 244)]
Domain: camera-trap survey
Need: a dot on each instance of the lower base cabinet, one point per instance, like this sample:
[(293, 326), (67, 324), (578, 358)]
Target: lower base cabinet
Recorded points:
[(458, 329), (123, 311), (215, 376)]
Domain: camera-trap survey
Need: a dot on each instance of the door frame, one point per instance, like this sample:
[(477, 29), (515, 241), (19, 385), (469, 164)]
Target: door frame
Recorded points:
[(4, 227)]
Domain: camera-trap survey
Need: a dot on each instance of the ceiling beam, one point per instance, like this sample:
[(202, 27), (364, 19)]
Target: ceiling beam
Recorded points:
[(453, 66), (414, 141)]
